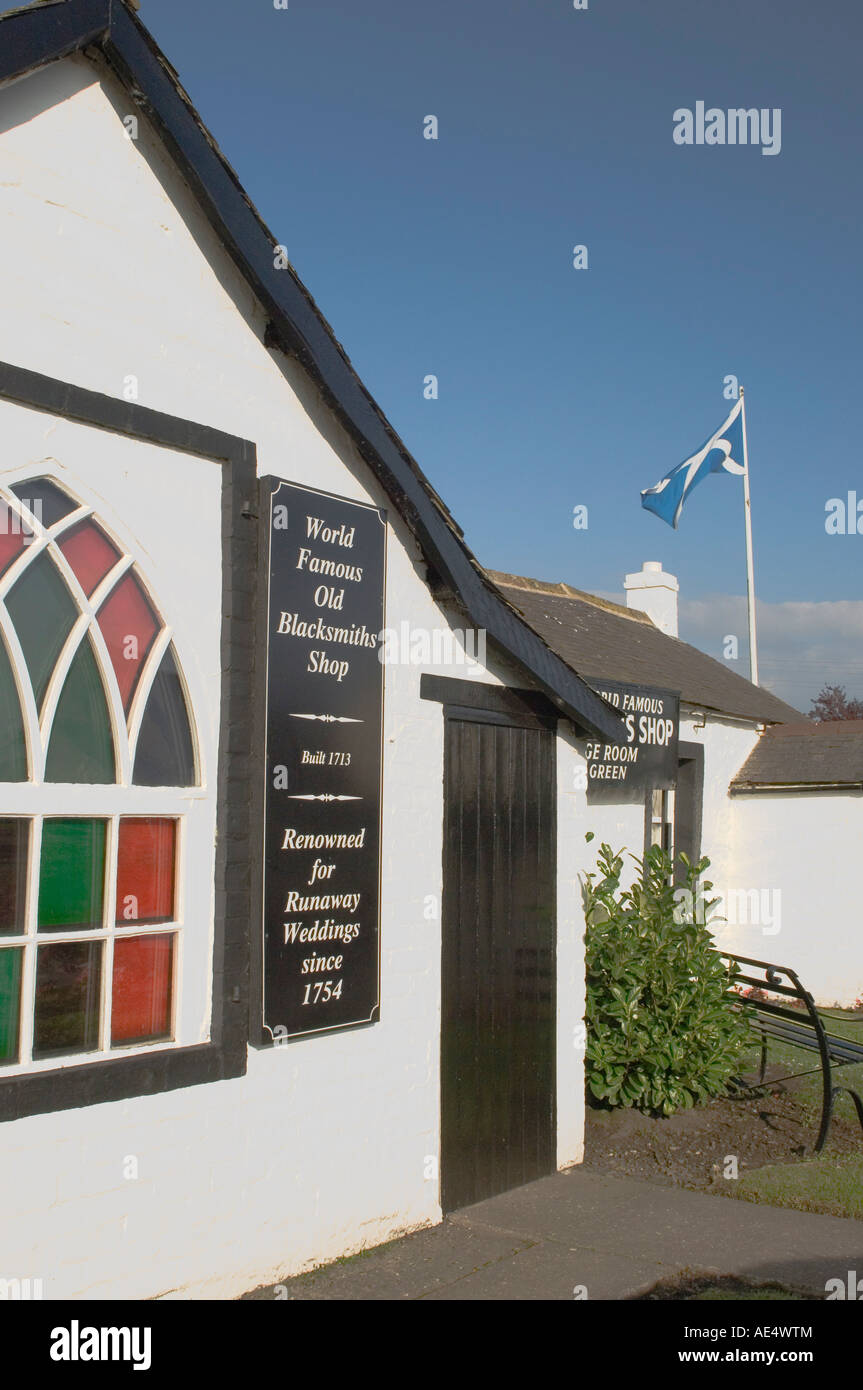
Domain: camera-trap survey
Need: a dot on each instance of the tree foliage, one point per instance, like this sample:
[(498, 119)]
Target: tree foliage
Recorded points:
[(832, 703)]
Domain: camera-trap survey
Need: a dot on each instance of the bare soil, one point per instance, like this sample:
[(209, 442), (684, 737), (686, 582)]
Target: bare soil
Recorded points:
[(689, 1149)]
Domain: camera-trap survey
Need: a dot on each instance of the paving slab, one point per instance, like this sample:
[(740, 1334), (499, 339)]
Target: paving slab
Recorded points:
[(579, 1230), (411, 1268)]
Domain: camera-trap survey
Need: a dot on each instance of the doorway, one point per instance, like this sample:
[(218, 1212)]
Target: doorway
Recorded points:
[(498, 1045)]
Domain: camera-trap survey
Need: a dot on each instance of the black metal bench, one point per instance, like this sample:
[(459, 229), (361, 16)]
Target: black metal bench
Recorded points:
[(796, 1028)]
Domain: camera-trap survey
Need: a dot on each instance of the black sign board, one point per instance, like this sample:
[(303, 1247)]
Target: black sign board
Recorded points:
[(651, 723), (321, 901)]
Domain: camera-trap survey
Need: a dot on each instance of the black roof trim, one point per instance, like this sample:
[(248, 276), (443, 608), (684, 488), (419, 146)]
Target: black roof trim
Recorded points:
[(792, 788), (35, 36), (42, 33)]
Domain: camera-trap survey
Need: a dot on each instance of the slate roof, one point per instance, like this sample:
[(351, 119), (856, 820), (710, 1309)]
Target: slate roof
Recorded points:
[(805, 755), (604, 639), (110, 31)]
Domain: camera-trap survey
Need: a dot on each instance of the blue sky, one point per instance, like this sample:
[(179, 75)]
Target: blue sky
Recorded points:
[(560, 387)]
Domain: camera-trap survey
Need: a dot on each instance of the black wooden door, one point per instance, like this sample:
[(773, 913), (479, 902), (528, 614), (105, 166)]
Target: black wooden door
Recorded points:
[(498, 1111)]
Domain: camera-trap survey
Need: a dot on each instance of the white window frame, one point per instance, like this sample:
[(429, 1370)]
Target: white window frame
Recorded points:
[(192, 807), (659, 822)]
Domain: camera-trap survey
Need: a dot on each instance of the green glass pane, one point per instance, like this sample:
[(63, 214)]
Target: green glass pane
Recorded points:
[(13, 753), (14, 843), (81, 747), (72, 879), (68, 985), (43, 612), (10, 1001)]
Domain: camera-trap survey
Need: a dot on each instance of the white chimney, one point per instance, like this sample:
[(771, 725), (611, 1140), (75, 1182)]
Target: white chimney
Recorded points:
[(653, 592)]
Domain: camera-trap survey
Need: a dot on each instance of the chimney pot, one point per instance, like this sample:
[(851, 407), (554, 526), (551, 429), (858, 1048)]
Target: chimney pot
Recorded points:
[(650, 590)]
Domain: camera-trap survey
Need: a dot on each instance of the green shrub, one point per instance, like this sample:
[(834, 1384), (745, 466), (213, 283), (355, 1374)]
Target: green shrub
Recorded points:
[(664, 1030)]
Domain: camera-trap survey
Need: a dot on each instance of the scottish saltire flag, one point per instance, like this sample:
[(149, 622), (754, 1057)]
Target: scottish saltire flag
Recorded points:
[(723, 453)]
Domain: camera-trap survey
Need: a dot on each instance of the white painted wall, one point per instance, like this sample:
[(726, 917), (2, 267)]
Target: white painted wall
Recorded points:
[(782, 866), (800, 853), (109, 272), (619, 826)]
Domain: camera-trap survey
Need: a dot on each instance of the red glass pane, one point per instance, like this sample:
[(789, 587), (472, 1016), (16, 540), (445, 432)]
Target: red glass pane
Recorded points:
[(141, 1001), (90, 554), (128, 625), (145, 870), (10, 544)]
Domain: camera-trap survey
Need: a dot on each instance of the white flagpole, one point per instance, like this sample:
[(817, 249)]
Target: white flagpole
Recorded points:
[(750, 574)]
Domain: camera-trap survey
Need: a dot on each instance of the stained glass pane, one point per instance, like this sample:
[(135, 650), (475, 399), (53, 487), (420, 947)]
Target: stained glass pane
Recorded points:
[(90, 554), (14, 535), (145, 870), (10, 1003), (165, 754), (13, 751), (129, 625), (42, 610), (82, 746), (68, 985), (141, 1001), (45, 499), (14, 842), (10, 545), (71, 883)]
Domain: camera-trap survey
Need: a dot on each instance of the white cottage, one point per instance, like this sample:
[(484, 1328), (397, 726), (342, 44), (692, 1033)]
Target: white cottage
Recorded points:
[(213, 1077), (773, 799), (798, 814), (293, 794)]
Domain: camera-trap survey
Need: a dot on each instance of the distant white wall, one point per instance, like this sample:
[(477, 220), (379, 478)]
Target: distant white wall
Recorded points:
[(800, 854), (783, 866)]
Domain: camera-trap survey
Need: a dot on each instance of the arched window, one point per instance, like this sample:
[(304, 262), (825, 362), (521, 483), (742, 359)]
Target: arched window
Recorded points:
[(98, 765)]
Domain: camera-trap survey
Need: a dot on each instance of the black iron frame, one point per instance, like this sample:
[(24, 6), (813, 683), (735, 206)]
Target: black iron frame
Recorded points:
[(778, 1021)]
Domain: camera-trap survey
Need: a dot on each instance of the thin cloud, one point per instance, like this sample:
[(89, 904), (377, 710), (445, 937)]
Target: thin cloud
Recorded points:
[(801, 646)]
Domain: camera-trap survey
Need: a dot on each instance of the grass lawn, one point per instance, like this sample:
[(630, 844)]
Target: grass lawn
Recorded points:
[(831, 1186)]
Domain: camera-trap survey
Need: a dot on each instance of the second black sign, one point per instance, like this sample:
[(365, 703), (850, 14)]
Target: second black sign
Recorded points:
[(651, 718)]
